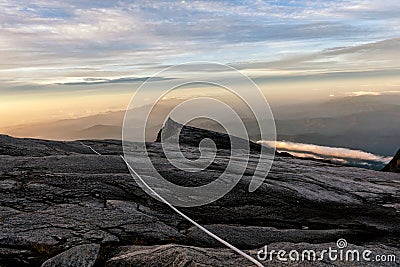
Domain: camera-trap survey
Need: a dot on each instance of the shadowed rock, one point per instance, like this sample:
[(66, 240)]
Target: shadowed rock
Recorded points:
[(192, 136), (83, 255), (175, 255), (182, 256)]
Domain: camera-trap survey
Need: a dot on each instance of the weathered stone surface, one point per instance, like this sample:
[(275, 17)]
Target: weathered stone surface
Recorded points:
[(39, 148), (55, 196), (175, 255), (179, 256), (255, 236), (82, 256), (192, 136)]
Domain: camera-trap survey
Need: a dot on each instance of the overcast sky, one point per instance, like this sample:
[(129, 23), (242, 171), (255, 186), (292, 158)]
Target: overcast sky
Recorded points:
[(56, 52)]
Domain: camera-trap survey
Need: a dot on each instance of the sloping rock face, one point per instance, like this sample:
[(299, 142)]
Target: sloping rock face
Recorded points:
[(62, 203), (175, 255), (83, 255), (192, 136), (38, 148), (394, 164)]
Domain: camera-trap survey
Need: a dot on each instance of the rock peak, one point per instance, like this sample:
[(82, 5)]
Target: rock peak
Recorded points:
[(192, 136), (394, 164)]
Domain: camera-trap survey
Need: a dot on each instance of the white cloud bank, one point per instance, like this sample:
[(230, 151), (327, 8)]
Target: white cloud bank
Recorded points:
[(373, 93), (325, 151)]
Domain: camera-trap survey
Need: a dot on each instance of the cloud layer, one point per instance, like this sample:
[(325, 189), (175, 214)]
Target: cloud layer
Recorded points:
[(325, 152), (108, 39)]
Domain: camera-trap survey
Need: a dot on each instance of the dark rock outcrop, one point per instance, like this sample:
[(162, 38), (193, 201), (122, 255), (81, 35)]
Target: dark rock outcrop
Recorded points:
[(58, 196), (83, 255), (181, 256), (38, 148), (175, 255), (192, 136), (394, 164)]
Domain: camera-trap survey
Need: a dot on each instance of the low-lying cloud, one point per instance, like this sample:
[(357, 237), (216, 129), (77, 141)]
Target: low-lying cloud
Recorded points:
[(325, 152), (373, 93)]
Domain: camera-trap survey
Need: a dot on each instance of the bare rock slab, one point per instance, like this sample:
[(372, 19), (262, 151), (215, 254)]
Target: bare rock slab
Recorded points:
[(79, 256)]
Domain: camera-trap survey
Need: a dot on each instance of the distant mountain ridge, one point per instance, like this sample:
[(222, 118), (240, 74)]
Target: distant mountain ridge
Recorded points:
[(337, 107), (368, 123)]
